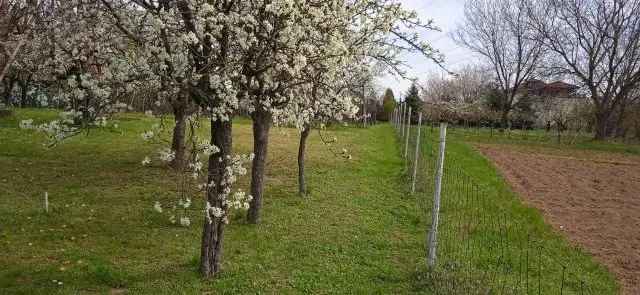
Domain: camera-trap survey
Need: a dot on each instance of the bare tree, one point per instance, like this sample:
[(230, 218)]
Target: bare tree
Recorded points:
[(498, 31), (467, 86), (470, 83), (598, 43), (438, 88)]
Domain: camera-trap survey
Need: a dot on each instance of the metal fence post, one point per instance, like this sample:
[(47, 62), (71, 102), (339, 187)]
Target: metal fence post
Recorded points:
[(433, 233), (395, 118), (398, 117), (406, 140), (392, 118), (416, 155), (404, 111)]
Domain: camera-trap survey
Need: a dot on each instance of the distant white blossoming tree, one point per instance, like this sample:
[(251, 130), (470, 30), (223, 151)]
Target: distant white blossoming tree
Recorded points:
[(292, 36)]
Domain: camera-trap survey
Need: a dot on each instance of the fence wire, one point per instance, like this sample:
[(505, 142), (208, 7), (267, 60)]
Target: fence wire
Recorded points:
[(484, 246)]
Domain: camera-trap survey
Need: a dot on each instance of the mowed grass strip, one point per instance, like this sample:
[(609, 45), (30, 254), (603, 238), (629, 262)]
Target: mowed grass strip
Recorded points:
[(358, 231)]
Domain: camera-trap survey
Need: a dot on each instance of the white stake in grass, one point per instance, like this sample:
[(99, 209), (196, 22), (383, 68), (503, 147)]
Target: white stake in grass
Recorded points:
[(46, 202)]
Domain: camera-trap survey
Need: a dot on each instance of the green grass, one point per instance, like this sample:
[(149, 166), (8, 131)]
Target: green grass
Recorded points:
[(359, 232), (356, 233), (487, 233)]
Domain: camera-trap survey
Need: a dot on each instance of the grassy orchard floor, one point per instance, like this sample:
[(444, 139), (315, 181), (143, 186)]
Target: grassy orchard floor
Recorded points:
[(357, 233)]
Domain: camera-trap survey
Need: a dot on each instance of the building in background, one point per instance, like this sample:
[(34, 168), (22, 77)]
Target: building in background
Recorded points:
[(553, 103)]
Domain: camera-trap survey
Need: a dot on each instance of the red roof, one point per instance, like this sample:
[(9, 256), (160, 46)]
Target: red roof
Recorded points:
[(538, 87), (561, 85)]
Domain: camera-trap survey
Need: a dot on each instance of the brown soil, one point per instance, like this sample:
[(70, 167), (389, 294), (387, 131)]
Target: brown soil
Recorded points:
[(593, 198)]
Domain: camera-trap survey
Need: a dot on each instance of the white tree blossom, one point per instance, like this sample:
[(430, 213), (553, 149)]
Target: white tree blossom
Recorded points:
[(282, 60)]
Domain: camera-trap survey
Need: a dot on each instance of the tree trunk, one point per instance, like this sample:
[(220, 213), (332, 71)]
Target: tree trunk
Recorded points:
[(504, 119), (261, 126), (7, 87), (620, 128), (178, 140), (23, 93), (302, 187), (213, 232), (602, 124)]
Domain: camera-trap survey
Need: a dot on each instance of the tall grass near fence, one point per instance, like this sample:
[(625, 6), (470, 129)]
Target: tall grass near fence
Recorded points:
[(488, 241)]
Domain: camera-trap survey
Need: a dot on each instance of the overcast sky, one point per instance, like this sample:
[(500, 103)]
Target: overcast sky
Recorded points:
[(446, 14)]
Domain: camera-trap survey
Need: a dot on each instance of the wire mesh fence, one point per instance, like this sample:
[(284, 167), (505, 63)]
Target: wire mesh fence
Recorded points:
[(493, 131), (482, 246)]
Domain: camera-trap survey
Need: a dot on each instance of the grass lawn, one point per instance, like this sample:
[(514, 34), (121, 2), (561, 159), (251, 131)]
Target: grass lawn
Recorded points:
[(360, 231), (489, 239)]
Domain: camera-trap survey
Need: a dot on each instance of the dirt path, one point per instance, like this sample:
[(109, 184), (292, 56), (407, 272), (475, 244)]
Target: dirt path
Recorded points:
[(593, 198)]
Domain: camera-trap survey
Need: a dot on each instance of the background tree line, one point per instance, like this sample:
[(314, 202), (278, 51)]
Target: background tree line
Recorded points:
[(594, 44)]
